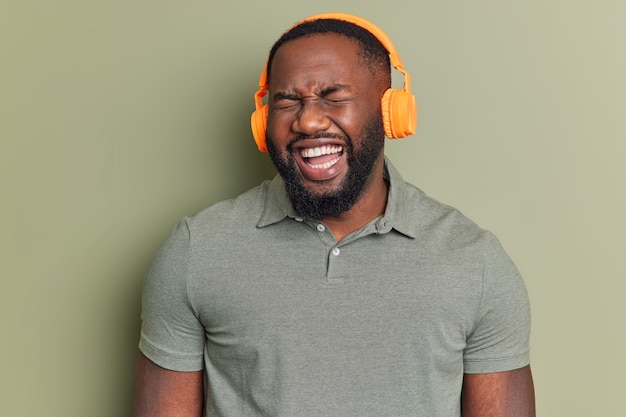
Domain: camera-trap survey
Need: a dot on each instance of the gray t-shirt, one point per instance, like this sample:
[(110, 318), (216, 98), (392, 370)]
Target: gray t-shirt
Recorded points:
[(288, 322)]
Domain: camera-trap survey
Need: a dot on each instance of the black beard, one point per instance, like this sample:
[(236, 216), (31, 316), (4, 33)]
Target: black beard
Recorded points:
[(360, 165)]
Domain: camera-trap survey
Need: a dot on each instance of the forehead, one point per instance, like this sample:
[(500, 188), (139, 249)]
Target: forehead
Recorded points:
[(323, 55)]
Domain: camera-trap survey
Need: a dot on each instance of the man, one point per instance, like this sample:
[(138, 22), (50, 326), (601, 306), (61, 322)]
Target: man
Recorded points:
[(336, 289)]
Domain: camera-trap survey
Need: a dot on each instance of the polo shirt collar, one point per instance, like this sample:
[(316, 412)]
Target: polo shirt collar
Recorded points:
[(400, 203), (397, 215), (277, 204)]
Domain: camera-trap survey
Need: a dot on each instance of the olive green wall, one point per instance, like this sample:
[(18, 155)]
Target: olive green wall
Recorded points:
[(119, 117)]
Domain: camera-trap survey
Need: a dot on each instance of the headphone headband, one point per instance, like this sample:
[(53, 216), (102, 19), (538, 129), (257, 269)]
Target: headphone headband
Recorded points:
[(378, 33), (367, 25)]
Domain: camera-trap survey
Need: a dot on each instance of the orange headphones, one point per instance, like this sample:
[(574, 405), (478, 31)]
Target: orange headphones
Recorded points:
[(398, 105)]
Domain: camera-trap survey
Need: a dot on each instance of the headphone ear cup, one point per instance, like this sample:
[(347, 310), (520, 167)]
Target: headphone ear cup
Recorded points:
[(258, 122), (399, 113)]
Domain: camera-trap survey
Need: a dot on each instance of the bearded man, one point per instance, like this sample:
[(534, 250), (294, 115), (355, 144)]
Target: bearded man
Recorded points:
[(336, 289)]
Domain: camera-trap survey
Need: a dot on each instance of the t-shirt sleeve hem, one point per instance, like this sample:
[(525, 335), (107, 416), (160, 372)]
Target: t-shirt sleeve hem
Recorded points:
[(496, 365), (169, 361)]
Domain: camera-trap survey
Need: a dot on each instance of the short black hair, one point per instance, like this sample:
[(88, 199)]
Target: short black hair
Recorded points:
[(372, 52)]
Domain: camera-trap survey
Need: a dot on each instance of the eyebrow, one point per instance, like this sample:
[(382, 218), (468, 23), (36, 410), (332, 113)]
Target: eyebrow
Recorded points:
[(334, 88), (284, 96)]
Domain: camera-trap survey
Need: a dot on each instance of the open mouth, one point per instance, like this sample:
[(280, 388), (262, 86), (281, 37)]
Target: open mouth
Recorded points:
[(322, 157)]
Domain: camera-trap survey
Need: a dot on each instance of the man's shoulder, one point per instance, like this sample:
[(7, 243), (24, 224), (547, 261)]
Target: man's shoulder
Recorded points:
[(418, 212), (233, 213), (426, 210), (442, 226)]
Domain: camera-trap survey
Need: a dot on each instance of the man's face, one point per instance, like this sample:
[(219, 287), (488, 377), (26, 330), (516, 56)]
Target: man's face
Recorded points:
[(324, 129)]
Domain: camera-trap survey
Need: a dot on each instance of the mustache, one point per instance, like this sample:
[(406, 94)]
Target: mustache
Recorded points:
[(320, 135)]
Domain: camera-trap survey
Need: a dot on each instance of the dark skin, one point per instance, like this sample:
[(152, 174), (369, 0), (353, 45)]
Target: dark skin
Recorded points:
[(499, 394), (314, 89), (160, 392), (164, 393), (318, 84)]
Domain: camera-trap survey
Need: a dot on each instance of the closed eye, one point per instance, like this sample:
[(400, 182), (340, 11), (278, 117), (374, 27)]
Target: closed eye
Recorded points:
[(337, 93), (285, 100)]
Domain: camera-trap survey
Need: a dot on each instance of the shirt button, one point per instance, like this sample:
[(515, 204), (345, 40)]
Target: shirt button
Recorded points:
[(336, 251), (321, 227), (298, 219)]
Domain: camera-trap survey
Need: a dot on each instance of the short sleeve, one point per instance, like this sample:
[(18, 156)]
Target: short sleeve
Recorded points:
[(499, 340), (171, 334)]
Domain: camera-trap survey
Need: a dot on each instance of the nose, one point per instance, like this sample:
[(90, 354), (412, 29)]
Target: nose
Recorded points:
[(311, 117)]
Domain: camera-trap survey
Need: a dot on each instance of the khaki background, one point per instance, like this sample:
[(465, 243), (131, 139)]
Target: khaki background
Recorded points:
[(119, 117)]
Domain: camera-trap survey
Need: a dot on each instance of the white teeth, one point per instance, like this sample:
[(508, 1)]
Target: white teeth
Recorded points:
[(320, 150), (325, 165)]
